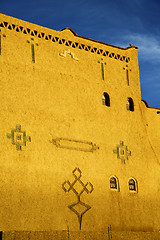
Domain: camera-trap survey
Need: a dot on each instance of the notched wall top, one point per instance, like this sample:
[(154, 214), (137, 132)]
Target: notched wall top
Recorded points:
[(64, 38)]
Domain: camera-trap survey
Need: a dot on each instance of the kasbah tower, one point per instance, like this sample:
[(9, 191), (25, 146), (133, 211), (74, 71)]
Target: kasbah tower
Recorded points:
[(79, 148)]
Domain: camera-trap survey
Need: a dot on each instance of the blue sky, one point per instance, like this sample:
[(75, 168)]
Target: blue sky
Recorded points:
[(117, 22)]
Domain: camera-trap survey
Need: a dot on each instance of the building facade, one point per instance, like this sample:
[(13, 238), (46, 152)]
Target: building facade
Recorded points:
[(79, 148)]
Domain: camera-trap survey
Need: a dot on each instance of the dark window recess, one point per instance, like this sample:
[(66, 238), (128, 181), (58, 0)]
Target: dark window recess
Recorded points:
[(158, 112), (83, 46), (5, 23), (70, 42), (1, 233), (132, 185), (113, 183), (42, 34), (21, 28), (130, 104), (9, 27), (35, 32), (28, 30), (106, 99)]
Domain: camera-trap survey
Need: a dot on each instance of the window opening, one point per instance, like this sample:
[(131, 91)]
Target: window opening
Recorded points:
[(9, 27), (13, 26), (106, 99), (132, 184), (28, 30), (113, 183), (35, 32), (70, 43), (130, 104), (21, 28), (42, 34), (5, 23)]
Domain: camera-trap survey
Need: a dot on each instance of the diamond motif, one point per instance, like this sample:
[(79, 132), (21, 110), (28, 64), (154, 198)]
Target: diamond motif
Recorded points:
[(77, 173), (18, 137), (79, 209), (89, 187), (122, 152), (66, 186), (78, 187)]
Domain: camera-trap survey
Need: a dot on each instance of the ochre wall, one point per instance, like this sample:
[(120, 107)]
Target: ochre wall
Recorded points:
[(58, 100), (79, 235)]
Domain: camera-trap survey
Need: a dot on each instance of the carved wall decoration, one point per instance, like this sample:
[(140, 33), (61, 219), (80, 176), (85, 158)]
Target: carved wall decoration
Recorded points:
[(74, 144), (122, 152), (127, 73), (78, 187), (64, 54), (1, 35), (110, 232), (62, 41), (0, 42), (102, 67), (18, 137), (32, 49)]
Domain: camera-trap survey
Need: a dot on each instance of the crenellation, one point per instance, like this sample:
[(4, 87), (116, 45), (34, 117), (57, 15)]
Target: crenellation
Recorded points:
[(63, 41)]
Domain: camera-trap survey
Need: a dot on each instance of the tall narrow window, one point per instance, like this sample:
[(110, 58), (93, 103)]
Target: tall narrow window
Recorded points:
[(130, 104), (114, 183), (106, 99), (132, 185)]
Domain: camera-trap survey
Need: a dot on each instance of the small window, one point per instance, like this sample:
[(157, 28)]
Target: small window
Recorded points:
[(114, 183), (106, 99), (130, 104), (132, 185)]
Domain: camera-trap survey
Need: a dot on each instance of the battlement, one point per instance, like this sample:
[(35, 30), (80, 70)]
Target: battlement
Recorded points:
[(33, 30)]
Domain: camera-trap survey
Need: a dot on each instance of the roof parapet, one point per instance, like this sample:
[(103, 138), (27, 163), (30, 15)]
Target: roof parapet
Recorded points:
[(133, 46)]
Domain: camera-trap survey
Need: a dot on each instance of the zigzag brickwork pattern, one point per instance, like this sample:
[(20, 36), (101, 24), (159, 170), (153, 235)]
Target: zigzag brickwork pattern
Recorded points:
[(63, 41)]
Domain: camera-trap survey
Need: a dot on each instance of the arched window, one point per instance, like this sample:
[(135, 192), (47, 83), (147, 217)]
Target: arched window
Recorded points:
[(114, 183), (106, 99), (132, 185), (130, 104)]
